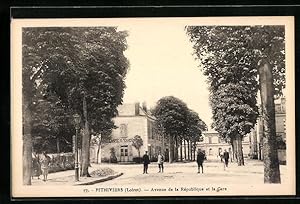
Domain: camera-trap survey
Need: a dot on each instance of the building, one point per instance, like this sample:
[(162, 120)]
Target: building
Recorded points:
[(257, 133), (132, 120), (252, 142), (213, 145)]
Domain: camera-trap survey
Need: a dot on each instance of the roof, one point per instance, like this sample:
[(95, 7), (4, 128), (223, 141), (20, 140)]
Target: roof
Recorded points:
[(130, 110)]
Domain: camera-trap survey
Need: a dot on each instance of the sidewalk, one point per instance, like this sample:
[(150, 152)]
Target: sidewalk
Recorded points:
[(68, 178)]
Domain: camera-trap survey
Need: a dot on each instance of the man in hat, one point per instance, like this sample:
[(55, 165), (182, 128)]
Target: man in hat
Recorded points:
[(200, 159), (146, 162)]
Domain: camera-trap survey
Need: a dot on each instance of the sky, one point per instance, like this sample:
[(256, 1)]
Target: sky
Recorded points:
[(162, 64)]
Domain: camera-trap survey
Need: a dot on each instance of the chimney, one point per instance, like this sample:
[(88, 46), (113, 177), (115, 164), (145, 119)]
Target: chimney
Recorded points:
[(137, 108), (144, 106)]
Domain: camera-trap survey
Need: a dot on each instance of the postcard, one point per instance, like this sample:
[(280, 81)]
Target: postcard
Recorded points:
[(139, 107)]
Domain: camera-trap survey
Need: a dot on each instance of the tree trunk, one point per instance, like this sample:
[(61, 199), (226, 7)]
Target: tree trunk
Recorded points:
[(255, 146), (57, 145), (85, 151), (98, 151), (271, 163), (240, 158), (181, 157), (233, 145), (184, 146), (171, 149), (194, 150), (234, 150), (176, 149), (27, 145), (188, 149), (191, 150)]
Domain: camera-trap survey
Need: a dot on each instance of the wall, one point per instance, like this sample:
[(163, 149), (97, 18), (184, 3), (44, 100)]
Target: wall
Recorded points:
[(135, 125)]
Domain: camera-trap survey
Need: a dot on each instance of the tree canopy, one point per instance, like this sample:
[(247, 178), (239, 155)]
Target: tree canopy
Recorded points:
[(175, 121), (84, 67), (224, 48), (171, 114)]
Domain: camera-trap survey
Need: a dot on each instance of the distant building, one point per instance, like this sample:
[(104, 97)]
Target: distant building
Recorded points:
[(132, 120), (213, 145)]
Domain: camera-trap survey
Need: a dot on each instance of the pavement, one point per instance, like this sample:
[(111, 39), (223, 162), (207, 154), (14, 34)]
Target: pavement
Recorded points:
[(175, 173), (68, 178)]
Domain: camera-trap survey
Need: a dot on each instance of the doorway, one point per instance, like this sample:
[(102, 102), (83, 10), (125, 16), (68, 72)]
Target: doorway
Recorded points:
[(124, 153)]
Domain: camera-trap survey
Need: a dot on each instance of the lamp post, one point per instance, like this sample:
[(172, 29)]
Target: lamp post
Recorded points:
[(77, 120)]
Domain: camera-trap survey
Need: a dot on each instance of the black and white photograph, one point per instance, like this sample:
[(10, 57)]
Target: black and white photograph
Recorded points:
[(135, 107)]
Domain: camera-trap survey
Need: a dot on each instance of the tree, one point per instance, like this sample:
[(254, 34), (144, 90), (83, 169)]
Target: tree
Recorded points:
[(51, 124), (99, 81), (137, 142), (102, 137), (234, 114), (195, 126), (84, 67), (113, 158), (178, 123), (171, 115), (31, 73), (256, 49)]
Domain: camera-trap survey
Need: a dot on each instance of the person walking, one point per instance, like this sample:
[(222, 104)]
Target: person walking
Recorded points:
[(200, 159), (160, 162), (146, 162), (226, 158), (221, 156), (45, 163)]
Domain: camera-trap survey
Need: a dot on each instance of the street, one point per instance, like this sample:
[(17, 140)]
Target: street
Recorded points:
[(186, 173), (174, 174)]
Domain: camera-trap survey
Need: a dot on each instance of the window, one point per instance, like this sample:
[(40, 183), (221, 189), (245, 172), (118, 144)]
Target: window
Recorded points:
[(209, 140), (150, 129), (123, 130)]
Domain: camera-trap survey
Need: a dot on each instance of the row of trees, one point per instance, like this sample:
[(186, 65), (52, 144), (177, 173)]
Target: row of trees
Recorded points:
[(68, 70), (178, 124), (233, 57)]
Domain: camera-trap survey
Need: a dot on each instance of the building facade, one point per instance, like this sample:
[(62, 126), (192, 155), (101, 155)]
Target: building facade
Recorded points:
[(213, 145), (132, 120)]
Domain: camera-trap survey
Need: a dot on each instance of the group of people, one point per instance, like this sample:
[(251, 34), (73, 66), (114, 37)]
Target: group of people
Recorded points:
[(200, 159), (225, 158), (160, 162), (40, 165)]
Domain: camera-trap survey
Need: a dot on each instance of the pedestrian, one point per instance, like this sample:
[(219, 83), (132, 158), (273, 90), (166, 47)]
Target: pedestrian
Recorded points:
[(200, 159), (146, 162), (45, 164), (36, 166), (221, 156), (160, 161), (226, 158)]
